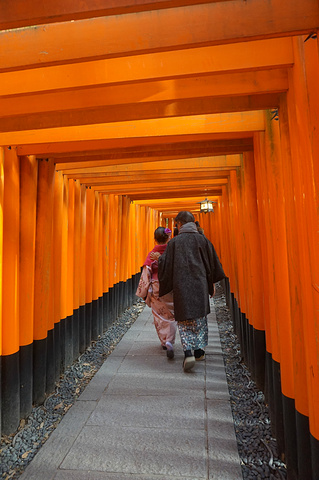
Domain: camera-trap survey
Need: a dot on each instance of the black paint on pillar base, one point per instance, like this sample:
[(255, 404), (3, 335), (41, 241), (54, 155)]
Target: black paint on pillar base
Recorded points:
[(251, 349), (105, 311), (82, 331), (314, 442), (269, 389), (57, 351), (68, 352), (121, 297), (242, 322), (259, 346), (278, 407), (304, 450), (50, 373), (75, 334), (291, 458), (111, 305), (100, 312), (116, 301), (62, 345), (88, 324), (94, 324), (130, 290), (10, 393), (26, 379), (39, 370)]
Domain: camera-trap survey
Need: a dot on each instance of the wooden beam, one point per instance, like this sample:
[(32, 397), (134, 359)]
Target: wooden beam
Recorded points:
[(168, 109), (115, 97), (168, 29), (199, 148), (156, 127), (86, 148), (21, 13), (239, 57)]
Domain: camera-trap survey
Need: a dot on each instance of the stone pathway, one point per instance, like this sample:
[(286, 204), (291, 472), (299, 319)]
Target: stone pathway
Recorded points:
[(142, 418)]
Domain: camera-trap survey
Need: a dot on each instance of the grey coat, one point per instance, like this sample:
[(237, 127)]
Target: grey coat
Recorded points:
[(189, 266)]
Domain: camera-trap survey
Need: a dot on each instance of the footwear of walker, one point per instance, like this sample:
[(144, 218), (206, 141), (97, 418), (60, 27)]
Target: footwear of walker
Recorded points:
[(199, 355), (188, 363), (170, 350)]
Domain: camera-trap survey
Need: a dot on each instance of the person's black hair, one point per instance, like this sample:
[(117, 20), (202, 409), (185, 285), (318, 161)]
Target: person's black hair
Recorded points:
[(160, 235), (197, 223), (185, 217), (175, 232)]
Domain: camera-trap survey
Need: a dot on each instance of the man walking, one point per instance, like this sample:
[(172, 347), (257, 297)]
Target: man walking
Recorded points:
[(190, 267)]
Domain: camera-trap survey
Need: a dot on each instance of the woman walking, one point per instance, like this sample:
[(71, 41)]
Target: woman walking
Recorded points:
[(148, 289)]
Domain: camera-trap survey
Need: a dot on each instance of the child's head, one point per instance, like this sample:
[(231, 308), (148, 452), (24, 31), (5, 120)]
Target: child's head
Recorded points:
[(161, 235)]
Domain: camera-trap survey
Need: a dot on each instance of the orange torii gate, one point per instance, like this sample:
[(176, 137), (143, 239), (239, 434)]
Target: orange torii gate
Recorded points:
[(114, 115)]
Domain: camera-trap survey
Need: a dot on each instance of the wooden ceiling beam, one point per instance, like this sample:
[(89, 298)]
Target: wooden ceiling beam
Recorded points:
[(239, 57), (169, 29)]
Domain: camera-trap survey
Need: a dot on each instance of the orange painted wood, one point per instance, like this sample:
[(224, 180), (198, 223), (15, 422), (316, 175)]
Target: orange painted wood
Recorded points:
[(195, 124), (1, 236), (83, 211), (263, 219), (70, 243), (96, 256), (239, 57), (43, 248), (32, 13), (57, 244), (64, 250), (10, 262), (155, 94), (28, 210), (295, 268), (77, 245), (252, 239), (163, 30), (90, 222), (235, 142), (106, 242), (305, 175)]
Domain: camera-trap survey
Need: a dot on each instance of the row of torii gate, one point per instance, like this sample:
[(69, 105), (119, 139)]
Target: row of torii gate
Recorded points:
[(117, 114)]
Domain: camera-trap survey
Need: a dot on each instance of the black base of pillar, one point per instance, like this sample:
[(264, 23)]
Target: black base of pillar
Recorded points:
[(82, 340), (39, 370), (57, 350), (10, 393), (94, 324), (88, 324), (68, 357), (26, 379), (278, 407), (105, 310), (50, 373), (289, 421), (259, 346), (100, 313), (314, 442), (304, 450), (75, 334), (62, 344)]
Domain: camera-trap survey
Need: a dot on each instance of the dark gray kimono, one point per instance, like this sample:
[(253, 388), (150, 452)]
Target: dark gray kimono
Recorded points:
[(189, 266)]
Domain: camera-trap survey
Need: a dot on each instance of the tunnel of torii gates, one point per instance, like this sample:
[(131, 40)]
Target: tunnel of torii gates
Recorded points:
[(114, 116)]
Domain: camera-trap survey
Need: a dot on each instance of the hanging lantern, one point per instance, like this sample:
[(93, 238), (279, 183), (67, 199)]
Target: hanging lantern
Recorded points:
[(206, 206)]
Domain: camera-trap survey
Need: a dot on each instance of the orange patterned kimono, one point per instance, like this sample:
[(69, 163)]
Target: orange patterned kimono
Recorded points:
[(162, 308)]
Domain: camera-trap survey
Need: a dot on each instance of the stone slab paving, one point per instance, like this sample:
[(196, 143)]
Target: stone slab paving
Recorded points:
[(142, 418)]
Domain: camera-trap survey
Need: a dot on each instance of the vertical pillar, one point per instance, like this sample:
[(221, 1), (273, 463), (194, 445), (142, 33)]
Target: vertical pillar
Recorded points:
[(82, 300), (76, 269), (28, 210), (57, 267), (43, 251), (64, 272), (69, 334), (1, 256), (89, 262), (10, 381)]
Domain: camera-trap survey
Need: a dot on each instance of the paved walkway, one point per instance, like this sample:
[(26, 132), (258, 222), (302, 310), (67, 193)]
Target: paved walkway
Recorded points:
[(142, 418)]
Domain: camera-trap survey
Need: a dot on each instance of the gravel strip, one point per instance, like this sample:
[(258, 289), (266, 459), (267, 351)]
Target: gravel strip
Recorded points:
[(256, 446), (18, 449)]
